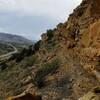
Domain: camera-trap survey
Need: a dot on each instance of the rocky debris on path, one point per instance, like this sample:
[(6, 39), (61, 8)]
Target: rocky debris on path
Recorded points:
[(92, 95), (27, 96)]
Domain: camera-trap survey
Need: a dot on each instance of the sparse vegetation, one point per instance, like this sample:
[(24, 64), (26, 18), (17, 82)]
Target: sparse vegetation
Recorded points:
[(25, 52), (12, 76), (3, 66), (29, 61), (48, 68), (37, 46), (50, 34), (5, 48)]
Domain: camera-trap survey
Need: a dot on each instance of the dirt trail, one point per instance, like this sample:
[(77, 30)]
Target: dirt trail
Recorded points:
[(10, 53)]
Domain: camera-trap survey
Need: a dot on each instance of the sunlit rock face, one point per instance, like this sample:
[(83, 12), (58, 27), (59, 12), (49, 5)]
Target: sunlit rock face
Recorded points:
[(92, 8), (95, 7)]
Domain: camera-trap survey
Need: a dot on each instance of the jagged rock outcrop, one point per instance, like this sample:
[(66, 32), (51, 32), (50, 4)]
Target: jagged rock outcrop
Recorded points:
[(76, 43)]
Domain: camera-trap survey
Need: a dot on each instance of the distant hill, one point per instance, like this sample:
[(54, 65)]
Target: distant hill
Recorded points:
[(3, 50), (18, 41), (9, 38)]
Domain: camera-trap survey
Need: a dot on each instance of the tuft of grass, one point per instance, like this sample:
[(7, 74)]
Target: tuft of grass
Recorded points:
[(48, 68)]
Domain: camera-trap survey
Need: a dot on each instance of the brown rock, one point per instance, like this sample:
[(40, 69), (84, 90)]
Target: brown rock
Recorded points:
[(27, 96), (92, 95)]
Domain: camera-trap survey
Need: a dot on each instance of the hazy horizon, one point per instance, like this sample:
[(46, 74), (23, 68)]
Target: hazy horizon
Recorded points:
[(31, 18)]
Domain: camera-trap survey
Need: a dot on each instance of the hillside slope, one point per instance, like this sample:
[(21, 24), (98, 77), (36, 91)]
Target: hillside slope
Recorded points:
[(65, 64), (14, 39), (5, 48)]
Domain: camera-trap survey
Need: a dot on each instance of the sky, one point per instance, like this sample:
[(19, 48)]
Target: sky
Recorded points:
[(31, 18)]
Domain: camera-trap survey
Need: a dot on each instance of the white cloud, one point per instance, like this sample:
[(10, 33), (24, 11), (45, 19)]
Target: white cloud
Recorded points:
[(3, 29), (30, 18), (52, 8)]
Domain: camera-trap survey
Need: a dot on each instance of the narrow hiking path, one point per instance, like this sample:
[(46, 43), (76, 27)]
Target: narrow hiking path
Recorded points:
[(4, 56)]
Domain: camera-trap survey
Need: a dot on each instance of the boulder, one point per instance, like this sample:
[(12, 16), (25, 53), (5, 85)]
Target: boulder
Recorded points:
[(92, 95)]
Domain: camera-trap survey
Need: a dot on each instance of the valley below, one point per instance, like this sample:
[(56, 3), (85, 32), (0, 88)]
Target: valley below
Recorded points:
[(8, 54)]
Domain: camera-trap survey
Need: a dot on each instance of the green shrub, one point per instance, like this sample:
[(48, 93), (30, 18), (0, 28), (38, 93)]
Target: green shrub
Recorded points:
[(33, 60), (37, 45), (48, 68), (3, 66), (29, 61), (50, 34)]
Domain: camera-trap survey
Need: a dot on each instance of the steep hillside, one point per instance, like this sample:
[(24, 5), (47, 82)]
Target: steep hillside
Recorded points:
[(64, 64)]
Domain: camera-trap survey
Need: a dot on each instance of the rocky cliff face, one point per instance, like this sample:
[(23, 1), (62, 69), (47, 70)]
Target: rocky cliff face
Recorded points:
[(69, 57)]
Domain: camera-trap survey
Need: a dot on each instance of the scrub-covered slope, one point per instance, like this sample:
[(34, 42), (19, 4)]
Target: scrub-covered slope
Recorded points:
[(67, 62)]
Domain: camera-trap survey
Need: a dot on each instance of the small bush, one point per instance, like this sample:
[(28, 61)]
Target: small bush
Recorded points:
[(50, 34), (19, 57), (31, 61), (37, 46), (3, 66), (48, 68)]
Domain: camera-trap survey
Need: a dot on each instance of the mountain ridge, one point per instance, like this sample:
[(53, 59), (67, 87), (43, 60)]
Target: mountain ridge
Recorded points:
[(17, 41), (13, 38)]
